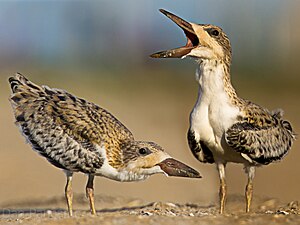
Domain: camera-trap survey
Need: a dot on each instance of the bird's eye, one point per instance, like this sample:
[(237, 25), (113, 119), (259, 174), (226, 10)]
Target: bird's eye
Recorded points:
[(215, 33), (144, 151)]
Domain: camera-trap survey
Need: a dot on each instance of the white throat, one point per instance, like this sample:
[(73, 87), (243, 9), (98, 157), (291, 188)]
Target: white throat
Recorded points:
[(210, 75)]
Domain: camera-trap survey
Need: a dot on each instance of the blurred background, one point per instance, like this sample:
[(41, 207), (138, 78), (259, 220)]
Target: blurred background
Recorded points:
[(99, 50)]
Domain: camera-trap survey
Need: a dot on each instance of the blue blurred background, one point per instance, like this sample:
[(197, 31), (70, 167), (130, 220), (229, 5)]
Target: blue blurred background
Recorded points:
[(116, 33), (100, 50)]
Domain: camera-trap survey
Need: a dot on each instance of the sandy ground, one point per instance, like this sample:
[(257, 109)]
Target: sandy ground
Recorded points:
[(30, 186), (119, 210)]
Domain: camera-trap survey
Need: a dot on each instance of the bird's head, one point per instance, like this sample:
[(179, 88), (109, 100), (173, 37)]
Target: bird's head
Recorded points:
[(142, 159), (204, 41)]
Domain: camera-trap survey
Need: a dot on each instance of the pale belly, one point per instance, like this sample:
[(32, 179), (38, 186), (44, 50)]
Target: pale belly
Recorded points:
[(209, 124)]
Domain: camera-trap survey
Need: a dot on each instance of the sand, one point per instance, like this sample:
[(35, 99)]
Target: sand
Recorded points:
[(119, 211)]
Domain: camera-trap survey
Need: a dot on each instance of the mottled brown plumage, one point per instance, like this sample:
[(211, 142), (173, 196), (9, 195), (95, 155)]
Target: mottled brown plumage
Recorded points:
[(263, 137), (79, 136), (48, 116), (224, 127)]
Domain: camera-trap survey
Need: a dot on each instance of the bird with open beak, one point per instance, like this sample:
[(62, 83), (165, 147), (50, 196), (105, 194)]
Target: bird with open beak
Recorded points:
[(78, 136), (224, 127)]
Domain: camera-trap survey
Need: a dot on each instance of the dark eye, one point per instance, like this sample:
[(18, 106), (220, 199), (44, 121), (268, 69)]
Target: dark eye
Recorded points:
[(144, 151), (214, 33)]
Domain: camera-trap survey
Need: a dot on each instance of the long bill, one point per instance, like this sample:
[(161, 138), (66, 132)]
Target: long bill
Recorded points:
[(192, 39), (172, 167)]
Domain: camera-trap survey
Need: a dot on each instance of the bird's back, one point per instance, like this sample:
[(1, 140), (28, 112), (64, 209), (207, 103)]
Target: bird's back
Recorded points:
[(67, 130)]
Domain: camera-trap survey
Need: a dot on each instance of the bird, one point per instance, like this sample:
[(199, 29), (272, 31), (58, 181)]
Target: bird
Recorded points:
[(225, 128), (76, 135)]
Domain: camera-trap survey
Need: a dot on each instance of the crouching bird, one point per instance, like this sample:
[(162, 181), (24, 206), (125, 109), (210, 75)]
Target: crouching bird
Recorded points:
[(224, 127), (78, 136)]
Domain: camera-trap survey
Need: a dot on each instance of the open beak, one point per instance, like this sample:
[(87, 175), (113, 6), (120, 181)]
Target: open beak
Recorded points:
[(192, 39), (173, 167)]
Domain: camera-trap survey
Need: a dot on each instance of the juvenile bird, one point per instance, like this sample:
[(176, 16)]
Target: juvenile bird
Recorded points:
[(224, 127), (78, 136)]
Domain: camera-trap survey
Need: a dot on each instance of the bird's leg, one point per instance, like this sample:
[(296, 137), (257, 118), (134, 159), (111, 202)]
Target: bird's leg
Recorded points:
[(222, 192), (250, 170), (69, 192), (90, 193)]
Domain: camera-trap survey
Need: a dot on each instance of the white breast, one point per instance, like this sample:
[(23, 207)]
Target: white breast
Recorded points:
[(213, 113)]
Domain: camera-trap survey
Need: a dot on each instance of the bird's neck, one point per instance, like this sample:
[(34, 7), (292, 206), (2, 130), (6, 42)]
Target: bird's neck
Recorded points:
[(213, 77)]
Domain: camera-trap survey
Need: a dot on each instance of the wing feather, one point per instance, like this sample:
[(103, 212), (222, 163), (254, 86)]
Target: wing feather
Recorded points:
[(265, 138), (67, 130), (199, 149)]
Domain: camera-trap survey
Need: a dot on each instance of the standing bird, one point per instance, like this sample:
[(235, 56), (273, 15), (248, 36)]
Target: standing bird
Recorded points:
[(224, 127), (78, 136)]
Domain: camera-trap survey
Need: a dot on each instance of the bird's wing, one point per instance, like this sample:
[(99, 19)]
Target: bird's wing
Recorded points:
[(199, 149), (262, 136), (62, 127)]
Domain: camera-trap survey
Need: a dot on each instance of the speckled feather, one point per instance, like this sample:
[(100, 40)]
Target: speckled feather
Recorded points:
[(263, 136), (199, 149), (79, 136), (66, 129)]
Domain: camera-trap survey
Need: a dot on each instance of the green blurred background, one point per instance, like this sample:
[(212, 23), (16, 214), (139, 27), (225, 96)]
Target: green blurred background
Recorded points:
[(99, 50)]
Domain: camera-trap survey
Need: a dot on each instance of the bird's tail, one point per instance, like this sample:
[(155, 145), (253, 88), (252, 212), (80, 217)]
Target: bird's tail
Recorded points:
[(19, 83), (22, 89)]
